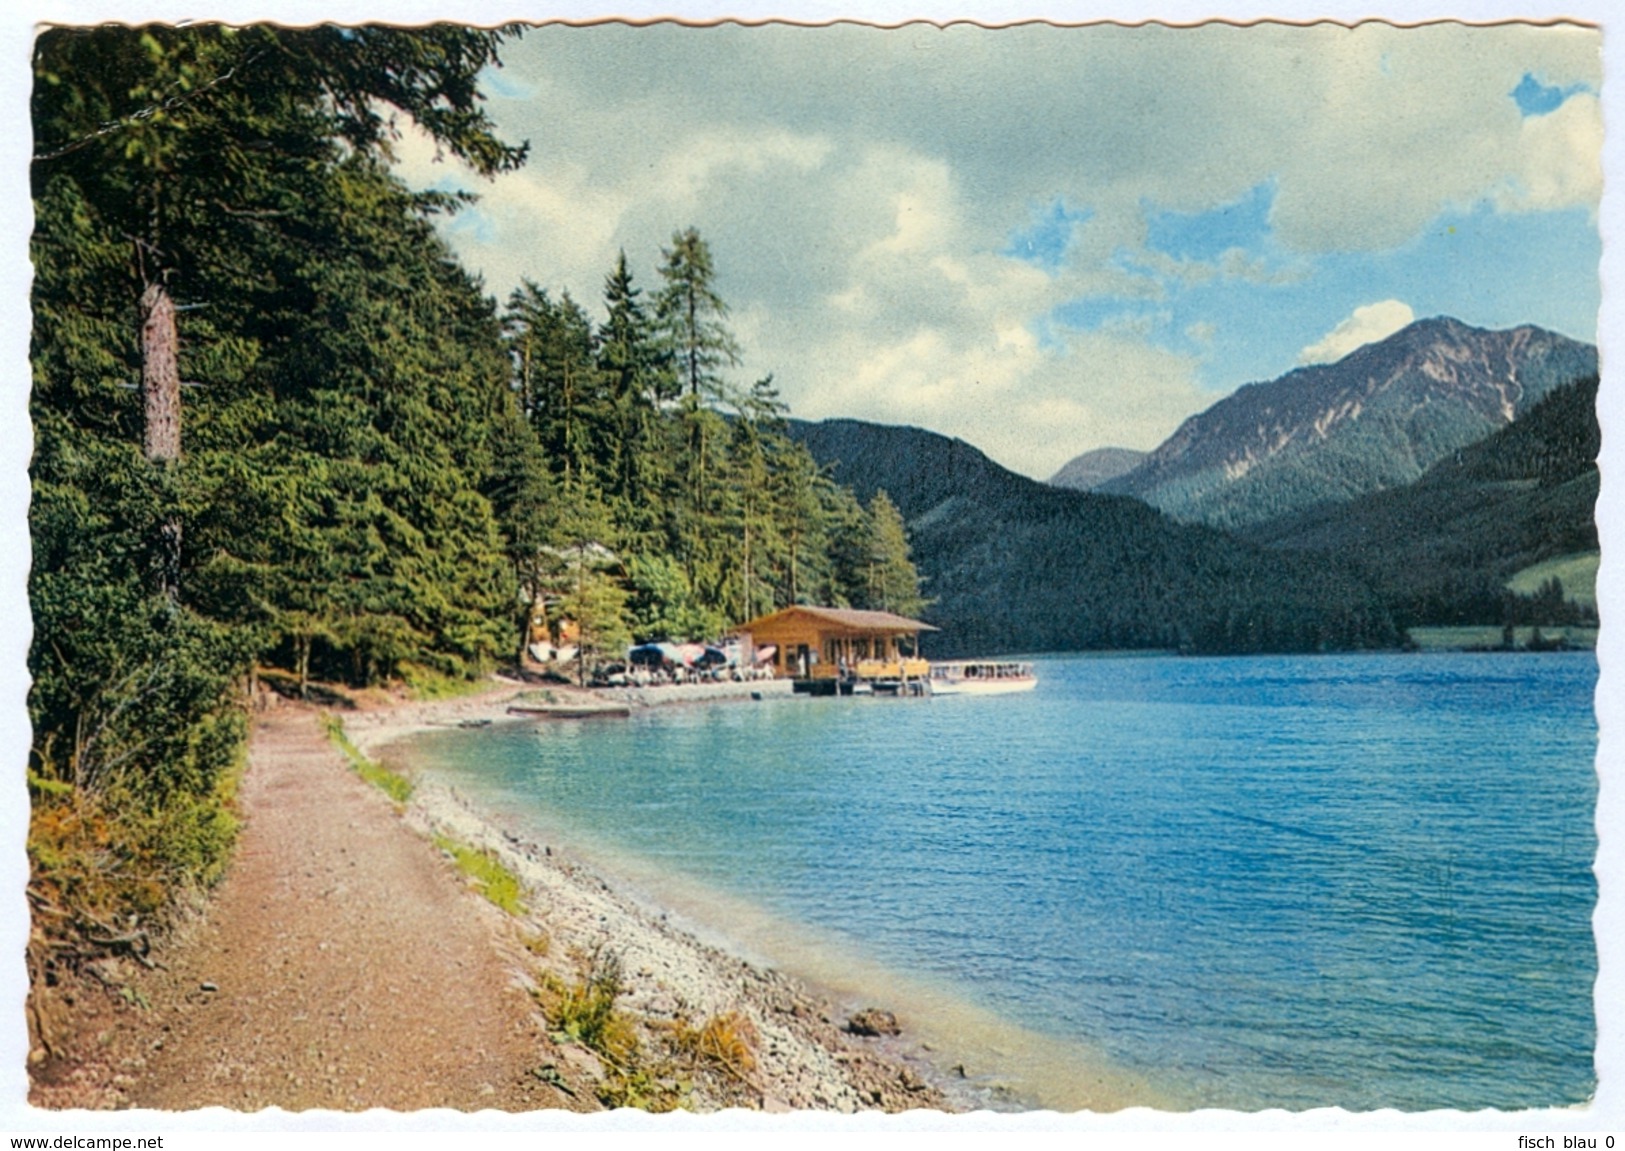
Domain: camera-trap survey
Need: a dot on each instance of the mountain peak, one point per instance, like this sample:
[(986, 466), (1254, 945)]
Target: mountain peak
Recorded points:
[(1375, 419), (1095, 467)]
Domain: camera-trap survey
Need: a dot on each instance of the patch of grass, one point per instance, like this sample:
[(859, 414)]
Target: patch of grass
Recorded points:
[(490, 874), (727, 1041), (644, 1089), (391, 783), (1578, 574), (430, 683)]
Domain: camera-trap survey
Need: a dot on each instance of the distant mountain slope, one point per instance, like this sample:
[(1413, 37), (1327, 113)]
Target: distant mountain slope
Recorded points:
[(1440, 550), (1376, 419), (1091, 469), (1016, 565)]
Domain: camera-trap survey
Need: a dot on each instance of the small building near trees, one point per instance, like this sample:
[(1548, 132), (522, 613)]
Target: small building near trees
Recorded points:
[(818, 643)]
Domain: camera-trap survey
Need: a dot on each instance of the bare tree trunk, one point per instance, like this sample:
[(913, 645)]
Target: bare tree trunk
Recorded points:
[(160, 375), (161, 402), (301, 646)]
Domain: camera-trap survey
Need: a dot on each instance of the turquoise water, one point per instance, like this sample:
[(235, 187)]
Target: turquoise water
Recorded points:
[(1360, 881)]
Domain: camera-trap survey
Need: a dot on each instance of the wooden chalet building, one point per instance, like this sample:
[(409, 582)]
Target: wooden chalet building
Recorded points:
[(828, 643)]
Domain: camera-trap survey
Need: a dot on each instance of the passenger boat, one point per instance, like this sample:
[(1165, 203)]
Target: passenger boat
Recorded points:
[(981, 677)]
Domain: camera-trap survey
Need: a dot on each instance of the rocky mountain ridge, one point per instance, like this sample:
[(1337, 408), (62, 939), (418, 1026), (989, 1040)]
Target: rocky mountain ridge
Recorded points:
[(1374, 420)]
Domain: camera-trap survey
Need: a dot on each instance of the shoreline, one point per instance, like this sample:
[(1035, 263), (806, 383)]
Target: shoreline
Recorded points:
[(808, 1058), (970, 1055), (350, 960)]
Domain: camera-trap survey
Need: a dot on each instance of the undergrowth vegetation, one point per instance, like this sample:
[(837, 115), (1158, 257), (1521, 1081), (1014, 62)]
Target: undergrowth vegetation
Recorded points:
[(727, 1041), (427, 683), (584, 1011), (107, 855), (109, 865)]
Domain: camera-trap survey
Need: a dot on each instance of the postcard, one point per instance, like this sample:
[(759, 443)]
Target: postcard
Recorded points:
[(1022, 571)]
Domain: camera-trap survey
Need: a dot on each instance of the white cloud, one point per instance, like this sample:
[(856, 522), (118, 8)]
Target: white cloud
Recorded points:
[(1561, 156), (1367, 325)]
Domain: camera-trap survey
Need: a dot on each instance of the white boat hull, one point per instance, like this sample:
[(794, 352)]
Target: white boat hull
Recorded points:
[(981, 679)]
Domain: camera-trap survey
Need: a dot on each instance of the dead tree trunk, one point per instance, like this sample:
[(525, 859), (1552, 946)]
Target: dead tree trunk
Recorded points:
[(160, 375), (161, 404)]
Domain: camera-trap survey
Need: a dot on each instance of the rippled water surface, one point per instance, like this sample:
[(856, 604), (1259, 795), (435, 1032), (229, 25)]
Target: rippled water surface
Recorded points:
[(1362, 880)]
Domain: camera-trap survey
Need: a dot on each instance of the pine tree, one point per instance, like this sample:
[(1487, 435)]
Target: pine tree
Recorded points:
[(693, 319), (637, 373), (894, 584)]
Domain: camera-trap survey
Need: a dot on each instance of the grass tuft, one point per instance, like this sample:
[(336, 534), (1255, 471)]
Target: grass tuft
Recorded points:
[(644, 1089), (499, 885), (392, 784), (727, 1041), (584, 1012)]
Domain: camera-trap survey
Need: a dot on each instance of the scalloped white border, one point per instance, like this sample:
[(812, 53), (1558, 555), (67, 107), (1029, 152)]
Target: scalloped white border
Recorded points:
[(444, 1130)]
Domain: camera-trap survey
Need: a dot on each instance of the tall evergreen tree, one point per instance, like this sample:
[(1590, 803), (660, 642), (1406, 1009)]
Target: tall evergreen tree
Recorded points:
[(637, 372), (893, 583), (693, 318)]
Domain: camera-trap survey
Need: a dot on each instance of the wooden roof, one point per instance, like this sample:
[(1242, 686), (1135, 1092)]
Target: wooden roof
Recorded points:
[(849, 619)]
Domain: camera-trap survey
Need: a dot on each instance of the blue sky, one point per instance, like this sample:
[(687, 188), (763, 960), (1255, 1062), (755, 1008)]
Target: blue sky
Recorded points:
[(1494, 269), (1046, 239), (1537, 99)]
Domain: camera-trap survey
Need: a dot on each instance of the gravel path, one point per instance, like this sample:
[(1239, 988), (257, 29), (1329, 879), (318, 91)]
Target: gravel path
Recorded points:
[(342, 964)]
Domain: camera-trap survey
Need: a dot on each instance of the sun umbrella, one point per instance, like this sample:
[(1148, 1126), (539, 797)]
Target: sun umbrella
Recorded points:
[(652, 654), (690, 653)]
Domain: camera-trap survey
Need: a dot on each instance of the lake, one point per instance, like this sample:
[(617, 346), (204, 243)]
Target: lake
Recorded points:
[(1358, 880)]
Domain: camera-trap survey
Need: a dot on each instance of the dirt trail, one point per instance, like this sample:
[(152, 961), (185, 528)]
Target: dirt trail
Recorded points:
[(352, 968)]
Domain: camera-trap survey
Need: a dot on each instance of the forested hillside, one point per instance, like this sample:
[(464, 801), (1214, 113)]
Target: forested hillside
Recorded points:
[(1011, 564), (277, 427), (1441, 550)]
